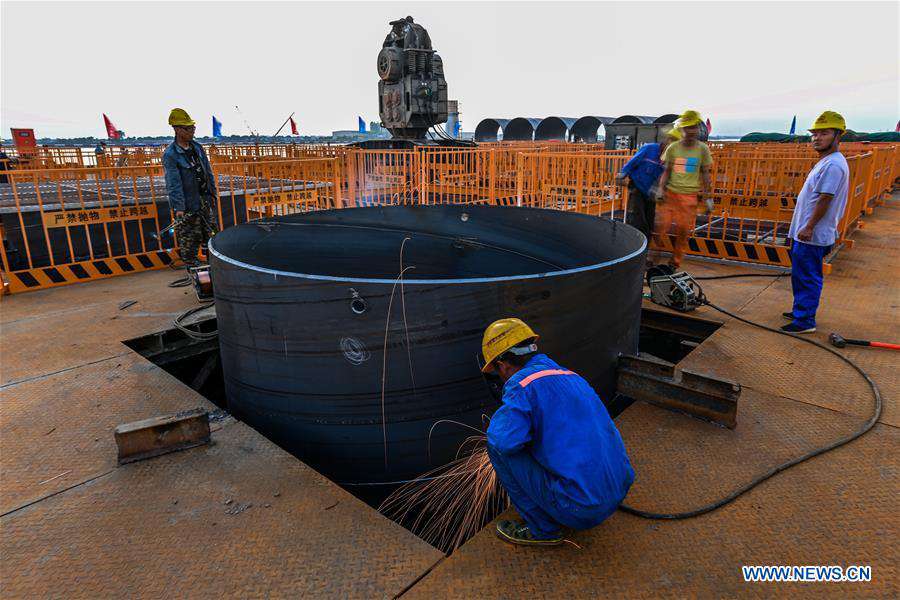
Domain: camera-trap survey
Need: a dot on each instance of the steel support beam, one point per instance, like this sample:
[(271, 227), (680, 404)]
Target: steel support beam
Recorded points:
[(658, 382)]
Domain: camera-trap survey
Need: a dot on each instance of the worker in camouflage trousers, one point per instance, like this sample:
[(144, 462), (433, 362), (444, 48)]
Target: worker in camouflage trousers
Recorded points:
[(194, 230), (191, 187)]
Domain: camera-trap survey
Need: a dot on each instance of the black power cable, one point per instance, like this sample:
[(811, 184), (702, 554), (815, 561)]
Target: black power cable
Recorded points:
[(183, 282), (179, 323), (876, 414), (735, 275)]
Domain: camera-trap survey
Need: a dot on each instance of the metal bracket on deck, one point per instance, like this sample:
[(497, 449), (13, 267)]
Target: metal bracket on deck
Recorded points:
[(161, 435), (657, 382)]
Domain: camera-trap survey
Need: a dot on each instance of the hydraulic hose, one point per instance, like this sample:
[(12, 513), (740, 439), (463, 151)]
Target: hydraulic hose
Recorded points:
[(867, 426)]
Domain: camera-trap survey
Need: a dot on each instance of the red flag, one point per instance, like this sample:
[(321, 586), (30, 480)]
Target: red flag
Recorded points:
[(294, 127), (708, 127), (112, 132), (898, 126)]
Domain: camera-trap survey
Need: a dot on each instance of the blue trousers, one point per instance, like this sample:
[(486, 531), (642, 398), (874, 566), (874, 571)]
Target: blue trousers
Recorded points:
[(528, 486), (806, 281)]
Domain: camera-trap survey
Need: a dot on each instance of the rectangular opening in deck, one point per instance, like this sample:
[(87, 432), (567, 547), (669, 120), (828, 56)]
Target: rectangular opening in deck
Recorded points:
[(663, 334)]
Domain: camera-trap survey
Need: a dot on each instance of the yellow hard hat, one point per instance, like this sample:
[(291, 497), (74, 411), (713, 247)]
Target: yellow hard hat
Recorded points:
[(179, 117), (829, 120), (675, 134), (688, 118), (502, 335)]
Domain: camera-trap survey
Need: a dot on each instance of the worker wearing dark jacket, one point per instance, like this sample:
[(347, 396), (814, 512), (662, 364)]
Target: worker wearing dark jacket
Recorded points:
[(552, 443), (191, 187)]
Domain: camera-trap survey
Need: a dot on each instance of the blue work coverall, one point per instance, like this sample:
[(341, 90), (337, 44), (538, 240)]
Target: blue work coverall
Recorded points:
[(556, 450)]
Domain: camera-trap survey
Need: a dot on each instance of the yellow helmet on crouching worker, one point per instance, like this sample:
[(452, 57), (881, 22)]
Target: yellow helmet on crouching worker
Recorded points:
[(674, 134), (688, 118), (179, 118), (502, 335), (829, 120)]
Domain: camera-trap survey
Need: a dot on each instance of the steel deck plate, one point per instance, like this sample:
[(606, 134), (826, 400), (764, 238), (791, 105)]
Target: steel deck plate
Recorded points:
[(161, 527)]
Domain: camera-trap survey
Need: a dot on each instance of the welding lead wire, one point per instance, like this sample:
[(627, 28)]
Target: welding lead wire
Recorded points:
[(387, 325), (736, 275), (867, 426), (412, 375), (438, 422)]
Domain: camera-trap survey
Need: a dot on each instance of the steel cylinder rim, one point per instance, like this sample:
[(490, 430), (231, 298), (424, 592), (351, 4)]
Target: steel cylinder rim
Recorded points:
[(338, 279)]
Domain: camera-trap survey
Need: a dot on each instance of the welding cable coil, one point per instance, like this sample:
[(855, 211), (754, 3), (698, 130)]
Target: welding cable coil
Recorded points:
[(178, 322)]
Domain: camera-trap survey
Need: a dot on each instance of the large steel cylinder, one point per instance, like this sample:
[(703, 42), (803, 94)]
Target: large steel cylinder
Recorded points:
[(348, 336)]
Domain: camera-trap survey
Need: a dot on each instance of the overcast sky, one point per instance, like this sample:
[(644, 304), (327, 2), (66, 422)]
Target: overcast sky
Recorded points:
[(748, 66)]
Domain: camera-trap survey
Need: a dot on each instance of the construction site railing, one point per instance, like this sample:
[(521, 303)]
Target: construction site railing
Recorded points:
[(62, 226), (582, 182), (68, 157), (66, 225), (69, 224), (754, 201)]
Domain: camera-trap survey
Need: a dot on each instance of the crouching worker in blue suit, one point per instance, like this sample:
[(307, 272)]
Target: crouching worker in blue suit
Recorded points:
[(552, 443)]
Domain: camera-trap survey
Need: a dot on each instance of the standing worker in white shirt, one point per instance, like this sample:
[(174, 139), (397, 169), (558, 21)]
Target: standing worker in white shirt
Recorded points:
[(814, 226)]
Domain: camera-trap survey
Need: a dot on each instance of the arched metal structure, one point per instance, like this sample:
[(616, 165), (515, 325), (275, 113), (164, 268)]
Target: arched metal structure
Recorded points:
[(631, 130), (520, 129), (587, 128), (488, 130), (554, 128), (636, 119)]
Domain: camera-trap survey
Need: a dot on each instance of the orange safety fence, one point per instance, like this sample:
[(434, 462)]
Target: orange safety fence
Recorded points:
[(50, 157), (279, 187), (582, 182), (439, 175), (381, 177), (754, 202), (62, 226), (67, 157), (66, 224)]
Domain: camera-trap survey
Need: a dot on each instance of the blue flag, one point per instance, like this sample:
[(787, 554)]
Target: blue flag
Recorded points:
[(362, 125), (217, 127), (793, 125)]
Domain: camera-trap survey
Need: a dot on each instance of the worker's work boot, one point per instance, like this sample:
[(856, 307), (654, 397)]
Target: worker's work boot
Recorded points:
[(795, 329), (517, 532)]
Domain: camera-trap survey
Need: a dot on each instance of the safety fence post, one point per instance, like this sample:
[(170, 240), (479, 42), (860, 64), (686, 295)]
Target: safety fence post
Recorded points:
[(520, 174), (336, 183)]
